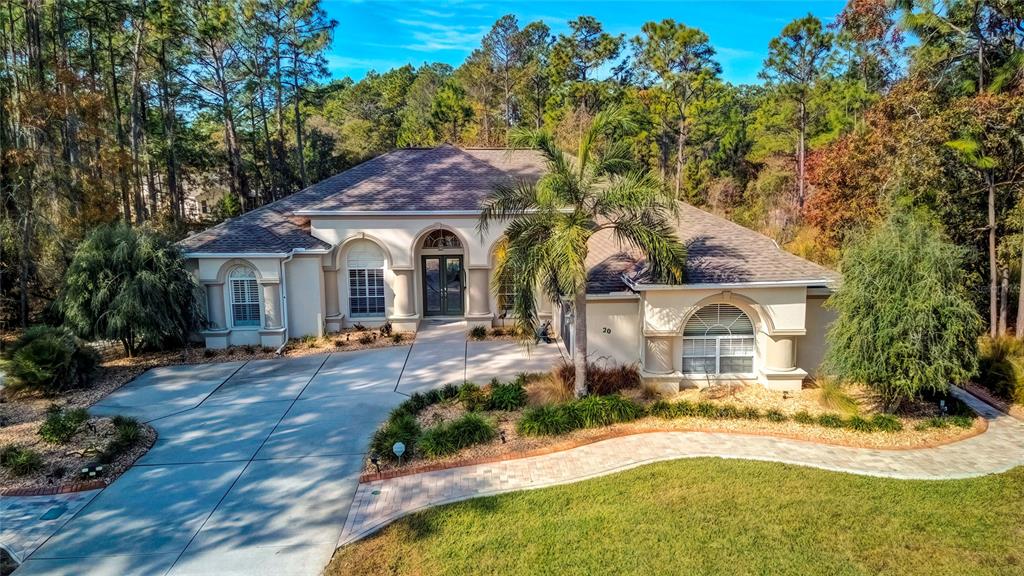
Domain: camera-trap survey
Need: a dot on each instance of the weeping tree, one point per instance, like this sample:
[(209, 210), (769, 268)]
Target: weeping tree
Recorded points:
[(130, 285), (905, 324), (549, 222)]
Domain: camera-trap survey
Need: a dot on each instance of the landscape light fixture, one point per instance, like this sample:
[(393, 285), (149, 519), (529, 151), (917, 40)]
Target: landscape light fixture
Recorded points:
[(375, 460)]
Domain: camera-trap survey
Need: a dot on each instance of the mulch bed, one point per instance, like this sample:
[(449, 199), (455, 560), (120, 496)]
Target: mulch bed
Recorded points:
[(515, 446)]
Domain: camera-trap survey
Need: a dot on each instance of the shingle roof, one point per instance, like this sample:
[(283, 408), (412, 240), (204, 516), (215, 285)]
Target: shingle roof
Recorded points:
[(718, 251), (444, 178)]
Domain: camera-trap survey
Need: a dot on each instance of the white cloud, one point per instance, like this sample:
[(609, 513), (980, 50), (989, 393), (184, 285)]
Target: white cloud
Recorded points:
[(342, 64), (431, 36)]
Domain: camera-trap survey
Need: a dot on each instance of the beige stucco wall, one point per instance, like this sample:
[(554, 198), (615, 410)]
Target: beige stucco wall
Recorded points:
[(305, 296), (613, 330), (782, 309), (812, 346), (213, 269), (400, 234)]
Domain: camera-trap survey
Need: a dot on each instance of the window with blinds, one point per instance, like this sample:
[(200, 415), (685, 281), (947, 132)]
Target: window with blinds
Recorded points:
[(245, 297), (718, 339), (365, 279), (506, 298)]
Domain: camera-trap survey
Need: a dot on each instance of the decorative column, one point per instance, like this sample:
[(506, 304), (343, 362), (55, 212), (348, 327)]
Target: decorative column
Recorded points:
[(658, 357), (331, 288), (479, 293), (272, 305), (779, 354), (405, 302), (215, 306)]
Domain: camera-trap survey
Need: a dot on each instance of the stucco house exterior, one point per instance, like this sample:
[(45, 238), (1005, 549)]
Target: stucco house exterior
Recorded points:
[(395, 239)]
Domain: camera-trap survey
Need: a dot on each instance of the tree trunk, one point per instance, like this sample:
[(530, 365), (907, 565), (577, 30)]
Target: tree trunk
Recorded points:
[(993, 272), (579, 358), (126, 205), (170, 136), (1004, 296), (1019, 332), (800, 156)]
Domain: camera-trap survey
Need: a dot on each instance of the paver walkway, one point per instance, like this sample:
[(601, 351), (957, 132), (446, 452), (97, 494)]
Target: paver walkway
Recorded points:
[(254, 468), (380, 502)]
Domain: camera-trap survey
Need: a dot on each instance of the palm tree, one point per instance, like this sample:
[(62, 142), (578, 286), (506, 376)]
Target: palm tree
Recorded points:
[(550, 221)]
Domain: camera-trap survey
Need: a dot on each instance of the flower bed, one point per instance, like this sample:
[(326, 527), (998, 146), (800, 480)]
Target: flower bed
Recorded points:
[(541, 420)]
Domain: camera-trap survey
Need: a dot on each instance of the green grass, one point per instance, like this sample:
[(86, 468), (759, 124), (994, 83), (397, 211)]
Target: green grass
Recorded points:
[(709, 516)]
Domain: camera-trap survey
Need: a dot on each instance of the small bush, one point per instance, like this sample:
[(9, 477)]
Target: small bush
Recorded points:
[(209, 352), (397, 337), (49, 360), (365, 338), (662, 409), (445, 439), (1001, 368), (727, 411), (545, 421), (449, 392), (472, 397), (803, 417), (400, 427), (249, 348), (886, 423), (339, 343), (594, 411), (551, 389), (961, 421), (60, 424), (478, 332), (859, 423), (498, 332), (602, 380), (20, 461), (685, 408), (830, 421), (834, 397), (705, 410), (508, 396), (945, 422), (775, 416), (127, 432), (750, 413)]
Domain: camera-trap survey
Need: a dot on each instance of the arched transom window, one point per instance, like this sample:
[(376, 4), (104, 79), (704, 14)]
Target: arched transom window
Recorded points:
[(718, 339), (365, 279), (245, 296), (442, 238)]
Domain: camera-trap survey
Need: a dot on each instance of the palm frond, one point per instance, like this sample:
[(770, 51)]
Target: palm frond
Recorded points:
[(656, 237)]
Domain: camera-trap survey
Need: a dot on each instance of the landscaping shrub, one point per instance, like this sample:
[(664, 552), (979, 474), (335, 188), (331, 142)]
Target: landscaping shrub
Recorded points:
[(834, 397), (685, 408), (366, 338), (886, 423), (20, 461), (859, 423), (49, 360), (594, 411), (397, 337), (507, 396), (830, 421), (132, 285), (662, 409), (448, 391), (775, 416), (126, 433), (601, 379), (445, 439), (551, 389), (472, 397), (803, 417), (749, 413), (548, 420), (705, 410), (478, 332), (726, 411), (209, 353), (945, 422), (400, 427), (60, 424), (1001, 368)]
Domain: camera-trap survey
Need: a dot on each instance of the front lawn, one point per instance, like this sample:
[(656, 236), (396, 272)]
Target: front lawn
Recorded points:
[(710, 516)]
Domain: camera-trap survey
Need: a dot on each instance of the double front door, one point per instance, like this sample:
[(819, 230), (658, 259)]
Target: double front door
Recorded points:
[(442, 285)]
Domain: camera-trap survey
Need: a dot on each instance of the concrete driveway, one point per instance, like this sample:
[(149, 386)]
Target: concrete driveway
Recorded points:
[(256, 463)]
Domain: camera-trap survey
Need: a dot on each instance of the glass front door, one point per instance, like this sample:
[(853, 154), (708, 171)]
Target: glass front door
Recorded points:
[(442, 285)]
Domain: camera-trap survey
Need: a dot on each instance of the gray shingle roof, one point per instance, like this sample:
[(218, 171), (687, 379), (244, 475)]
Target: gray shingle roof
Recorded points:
[(444, 178), (718, 252)]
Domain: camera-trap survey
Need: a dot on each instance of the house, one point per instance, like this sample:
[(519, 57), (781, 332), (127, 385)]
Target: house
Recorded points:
[(395, 239)]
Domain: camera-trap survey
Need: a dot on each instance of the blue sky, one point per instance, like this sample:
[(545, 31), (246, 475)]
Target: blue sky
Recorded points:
[(380, 35)]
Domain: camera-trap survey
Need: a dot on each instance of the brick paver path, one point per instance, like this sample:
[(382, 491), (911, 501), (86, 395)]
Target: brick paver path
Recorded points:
[(380, 502)]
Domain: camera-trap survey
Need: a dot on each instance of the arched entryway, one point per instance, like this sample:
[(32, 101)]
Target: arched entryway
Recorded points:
[(442, 261)]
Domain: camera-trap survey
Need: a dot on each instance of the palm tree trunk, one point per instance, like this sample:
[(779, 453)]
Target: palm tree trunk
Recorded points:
[(579, 357)]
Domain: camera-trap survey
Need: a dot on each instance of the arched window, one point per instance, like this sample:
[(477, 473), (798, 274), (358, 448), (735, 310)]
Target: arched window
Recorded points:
[(442, 238), (245, 296), (365, 279), (718, 339)]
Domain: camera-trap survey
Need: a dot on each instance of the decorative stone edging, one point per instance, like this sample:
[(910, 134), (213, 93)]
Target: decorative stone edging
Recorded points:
[(61, 489), (571, 444)]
